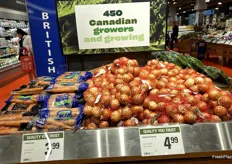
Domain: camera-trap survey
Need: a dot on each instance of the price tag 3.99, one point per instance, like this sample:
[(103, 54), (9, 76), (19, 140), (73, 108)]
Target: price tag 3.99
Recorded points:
[(42, 147), (161, 141)]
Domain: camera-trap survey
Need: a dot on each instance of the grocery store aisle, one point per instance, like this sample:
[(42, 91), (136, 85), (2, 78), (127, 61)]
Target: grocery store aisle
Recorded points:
[(6, 90)]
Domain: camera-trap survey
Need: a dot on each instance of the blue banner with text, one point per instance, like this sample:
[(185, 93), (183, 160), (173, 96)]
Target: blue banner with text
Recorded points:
[(48, 56)]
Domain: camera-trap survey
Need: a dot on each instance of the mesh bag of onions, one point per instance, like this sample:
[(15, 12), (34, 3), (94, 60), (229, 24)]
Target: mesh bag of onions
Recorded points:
[(161, 92)]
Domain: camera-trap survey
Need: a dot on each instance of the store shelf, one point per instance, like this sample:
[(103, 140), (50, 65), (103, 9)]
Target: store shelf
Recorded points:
[(7, 55), (4, 47), (5, 68), (200, 140)]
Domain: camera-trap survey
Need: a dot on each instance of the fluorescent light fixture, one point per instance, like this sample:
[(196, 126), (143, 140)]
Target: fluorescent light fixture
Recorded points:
[(20, 2), (220, 3)]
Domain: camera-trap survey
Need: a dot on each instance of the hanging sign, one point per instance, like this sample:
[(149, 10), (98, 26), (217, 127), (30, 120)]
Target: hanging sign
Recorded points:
[(161, 140), (229, 23), (104, 27)]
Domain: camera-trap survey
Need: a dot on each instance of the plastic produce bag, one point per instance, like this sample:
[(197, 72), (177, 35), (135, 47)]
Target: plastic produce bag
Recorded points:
[(17, 107), (45, 80), (74, 76), (29, 99), (67, 87), (64, 100), (34, 87), (60, 118)]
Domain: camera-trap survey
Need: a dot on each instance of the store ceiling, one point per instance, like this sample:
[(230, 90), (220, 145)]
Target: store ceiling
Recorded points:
[(13, 4), (183, 6)]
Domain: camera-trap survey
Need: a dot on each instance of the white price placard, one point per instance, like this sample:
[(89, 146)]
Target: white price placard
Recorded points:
[(161, 140), (42, 147)]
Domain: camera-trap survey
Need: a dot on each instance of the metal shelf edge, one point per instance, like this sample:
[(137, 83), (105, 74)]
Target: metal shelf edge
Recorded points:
[(125, 142), (8, 67)]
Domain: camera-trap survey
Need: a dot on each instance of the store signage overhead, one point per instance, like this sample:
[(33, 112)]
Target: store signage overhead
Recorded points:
[(208, 12), (161, 140), (42, 147), (106, 26)]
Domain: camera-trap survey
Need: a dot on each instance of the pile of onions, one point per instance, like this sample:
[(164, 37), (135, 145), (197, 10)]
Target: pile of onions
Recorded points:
[(124, 94)]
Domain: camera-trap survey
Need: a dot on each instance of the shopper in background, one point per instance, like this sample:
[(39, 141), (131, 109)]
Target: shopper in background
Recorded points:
[(25, 42), (175, 31)]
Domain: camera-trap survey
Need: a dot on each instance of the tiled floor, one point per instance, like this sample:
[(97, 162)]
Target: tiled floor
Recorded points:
[(6, 90)]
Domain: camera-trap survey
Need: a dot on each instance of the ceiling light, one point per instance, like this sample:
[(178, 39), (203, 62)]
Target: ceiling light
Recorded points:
[(174, 3), (20, 2), (216, 8), (184, 12), (207, 1), (219, 3), (192, 9), (180, 8), (168, 2)]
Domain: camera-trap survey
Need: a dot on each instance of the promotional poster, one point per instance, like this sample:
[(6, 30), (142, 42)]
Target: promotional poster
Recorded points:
[(107, 26)]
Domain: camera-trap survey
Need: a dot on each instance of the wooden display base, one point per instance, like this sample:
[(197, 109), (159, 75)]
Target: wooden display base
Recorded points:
[(221, 50)]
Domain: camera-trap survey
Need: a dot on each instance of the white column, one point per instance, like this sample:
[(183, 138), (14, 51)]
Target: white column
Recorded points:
[(200, 6), (172, 14)]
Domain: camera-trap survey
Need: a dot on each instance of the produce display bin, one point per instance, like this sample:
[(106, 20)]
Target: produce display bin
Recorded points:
[(184, 46)]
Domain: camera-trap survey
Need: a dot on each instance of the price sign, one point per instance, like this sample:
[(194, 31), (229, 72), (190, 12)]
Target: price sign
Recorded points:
[(214, 41), (228, 42), (42, 147), (161, 141)]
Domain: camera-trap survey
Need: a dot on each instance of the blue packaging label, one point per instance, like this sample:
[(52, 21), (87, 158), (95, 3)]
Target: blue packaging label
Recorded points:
[(44, 113), (67, 83), (25, 97), (47, 78), (40, 122), (64, 115), (63, 101)]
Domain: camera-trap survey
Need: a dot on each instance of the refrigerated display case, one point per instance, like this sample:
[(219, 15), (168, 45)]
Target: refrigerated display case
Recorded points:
[(9, 63)]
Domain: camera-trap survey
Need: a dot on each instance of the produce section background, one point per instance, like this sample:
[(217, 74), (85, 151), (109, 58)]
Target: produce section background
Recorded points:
[(68, 31)]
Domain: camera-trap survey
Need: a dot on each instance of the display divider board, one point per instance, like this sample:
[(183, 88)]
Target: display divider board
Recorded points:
[(49, 60)]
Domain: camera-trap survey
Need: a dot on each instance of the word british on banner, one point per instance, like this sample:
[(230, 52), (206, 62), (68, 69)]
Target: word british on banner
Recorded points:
[(45, 37)]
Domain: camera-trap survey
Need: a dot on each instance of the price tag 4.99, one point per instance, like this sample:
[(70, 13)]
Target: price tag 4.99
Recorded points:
[(42, 147), (161, 141)]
